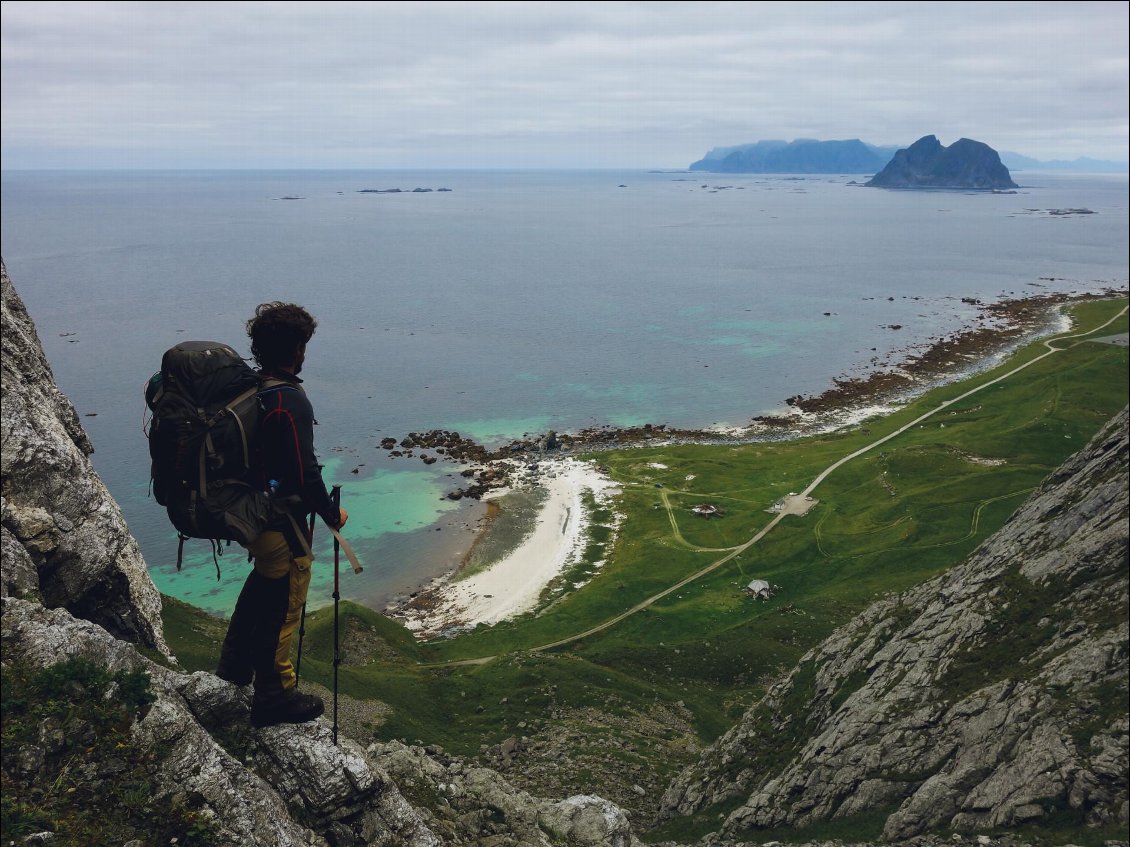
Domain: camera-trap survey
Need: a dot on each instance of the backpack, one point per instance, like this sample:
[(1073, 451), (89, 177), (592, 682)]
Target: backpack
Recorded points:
[(206, 413)]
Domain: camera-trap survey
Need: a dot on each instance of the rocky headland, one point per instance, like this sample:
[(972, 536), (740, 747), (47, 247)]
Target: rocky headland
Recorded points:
[(965, 164)]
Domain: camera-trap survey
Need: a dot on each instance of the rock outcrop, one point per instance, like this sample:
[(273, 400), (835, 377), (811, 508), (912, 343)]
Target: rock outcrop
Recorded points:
[(64, 537), (75, 589), (927, 164), (283, 773), (467, 802), (992, 696)]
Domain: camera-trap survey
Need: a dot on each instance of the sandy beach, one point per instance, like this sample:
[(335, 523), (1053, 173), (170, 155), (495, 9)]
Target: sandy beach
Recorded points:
[(513, 584)]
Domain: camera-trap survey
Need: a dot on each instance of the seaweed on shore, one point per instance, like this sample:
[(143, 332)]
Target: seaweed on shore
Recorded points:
[(999, 327)]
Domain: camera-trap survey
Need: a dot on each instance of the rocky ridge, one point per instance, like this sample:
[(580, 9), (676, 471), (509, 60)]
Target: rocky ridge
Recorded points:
[(73, 586), (989, 697), (64, 538)]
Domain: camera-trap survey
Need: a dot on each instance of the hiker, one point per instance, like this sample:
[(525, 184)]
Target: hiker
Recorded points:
[(266, 615)]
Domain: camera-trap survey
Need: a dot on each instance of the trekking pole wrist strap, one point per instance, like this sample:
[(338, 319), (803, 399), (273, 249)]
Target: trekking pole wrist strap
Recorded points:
[(346, 547), (348, 550)]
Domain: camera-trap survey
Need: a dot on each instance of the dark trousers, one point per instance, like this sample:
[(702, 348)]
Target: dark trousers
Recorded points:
[(266, 616)]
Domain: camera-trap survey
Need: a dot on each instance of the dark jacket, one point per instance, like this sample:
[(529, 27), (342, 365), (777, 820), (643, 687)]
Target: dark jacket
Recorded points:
[(286, 451)]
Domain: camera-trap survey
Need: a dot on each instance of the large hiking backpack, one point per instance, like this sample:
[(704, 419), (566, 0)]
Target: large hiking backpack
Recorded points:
[(205, 407)]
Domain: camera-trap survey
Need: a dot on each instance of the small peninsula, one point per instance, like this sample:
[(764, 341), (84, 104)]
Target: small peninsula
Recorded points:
[(926, 163)]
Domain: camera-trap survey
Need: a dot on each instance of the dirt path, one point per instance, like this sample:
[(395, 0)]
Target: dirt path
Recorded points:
[(798, 504)]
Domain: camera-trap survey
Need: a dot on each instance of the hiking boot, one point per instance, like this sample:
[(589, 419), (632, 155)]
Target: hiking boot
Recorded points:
[(288, 707), (238, 677)]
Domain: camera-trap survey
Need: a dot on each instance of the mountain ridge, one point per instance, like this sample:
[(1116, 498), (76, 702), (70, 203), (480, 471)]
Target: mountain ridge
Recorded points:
[(780, 156)]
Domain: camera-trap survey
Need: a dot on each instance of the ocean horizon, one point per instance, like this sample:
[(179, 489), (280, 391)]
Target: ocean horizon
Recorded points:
[(505, 303)]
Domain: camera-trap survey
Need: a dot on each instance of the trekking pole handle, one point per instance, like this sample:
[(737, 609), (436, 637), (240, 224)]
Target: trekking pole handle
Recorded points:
[(335, 498)]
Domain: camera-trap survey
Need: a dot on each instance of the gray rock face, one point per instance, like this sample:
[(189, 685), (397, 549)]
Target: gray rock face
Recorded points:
[(991, 696), (77, 552), (468, 804), (287, 772), (927, 164)]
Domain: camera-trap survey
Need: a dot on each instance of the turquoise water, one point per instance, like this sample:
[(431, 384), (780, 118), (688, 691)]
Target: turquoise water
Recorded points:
[(517, 302), (387, 504)]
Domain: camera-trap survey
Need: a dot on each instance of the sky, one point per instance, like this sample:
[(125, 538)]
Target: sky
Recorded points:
[(547, 85)]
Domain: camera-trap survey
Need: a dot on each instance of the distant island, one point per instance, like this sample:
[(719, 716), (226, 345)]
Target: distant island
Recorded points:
[(802, 156), (927, 163), (812, 156)]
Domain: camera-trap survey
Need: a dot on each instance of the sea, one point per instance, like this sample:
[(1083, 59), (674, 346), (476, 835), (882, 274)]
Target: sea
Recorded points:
[(504, 303)]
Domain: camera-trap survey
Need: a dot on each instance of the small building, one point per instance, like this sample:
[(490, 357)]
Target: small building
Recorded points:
[(705, 509), (759, 589)]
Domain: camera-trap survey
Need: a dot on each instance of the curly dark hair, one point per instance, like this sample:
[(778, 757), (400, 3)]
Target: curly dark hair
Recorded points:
[(277, 332)]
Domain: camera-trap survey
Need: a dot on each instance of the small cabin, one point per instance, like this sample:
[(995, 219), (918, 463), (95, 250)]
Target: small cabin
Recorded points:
[(707, 510), (759, 589)]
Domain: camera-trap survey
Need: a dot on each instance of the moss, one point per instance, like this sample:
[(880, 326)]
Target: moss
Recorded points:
[(1010, 638), (690, 828), (1098, 710), (87, 783)]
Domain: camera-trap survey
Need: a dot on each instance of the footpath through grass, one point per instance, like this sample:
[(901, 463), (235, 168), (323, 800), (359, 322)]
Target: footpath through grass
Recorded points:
[(886, 520)]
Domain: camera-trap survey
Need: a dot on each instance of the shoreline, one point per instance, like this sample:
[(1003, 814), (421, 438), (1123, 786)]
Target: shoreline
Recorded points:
[(512, 585)]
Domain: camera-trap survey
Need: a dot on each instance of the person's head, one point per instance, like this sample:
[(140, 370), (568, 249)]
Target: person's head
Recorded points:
[(278, 333)]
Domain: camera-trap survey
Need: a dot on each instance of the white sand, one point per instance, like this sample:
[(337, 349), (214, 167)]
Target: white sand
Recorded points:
[(514, 584)]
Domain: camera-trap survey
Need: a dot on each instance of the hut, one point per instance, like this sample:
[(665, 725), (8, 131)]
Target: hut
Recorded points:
[(759, 589), (707, 510)]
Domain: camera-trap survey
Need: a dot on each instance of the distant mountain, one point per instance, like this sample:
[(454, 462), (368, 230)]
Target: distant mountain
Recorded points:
[(812, 156), (802, 156), (928, 164), (1084, 164)]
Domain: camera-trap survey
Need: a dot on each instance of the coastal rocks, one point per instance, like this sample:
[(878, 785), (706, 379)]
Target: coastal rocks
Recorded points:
[(927, 164), (54, 505), (1005, 323), (495, 468), (402, 190), (985, 698)]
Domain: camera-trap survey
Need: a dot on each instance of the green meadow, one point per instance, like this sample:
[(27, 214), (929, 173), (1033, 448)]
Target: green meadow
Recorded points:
[(896, 515)]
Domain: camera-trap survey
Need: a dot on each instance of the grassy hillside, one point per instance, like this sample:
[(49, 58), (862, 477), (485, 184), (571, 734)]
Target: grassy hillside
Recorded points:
[(630, 705)]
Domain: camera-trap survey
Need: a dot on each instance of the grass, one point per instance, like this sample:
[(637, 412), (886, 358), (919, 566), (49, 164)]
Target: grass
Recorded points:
[(889, 519), (70, 765)]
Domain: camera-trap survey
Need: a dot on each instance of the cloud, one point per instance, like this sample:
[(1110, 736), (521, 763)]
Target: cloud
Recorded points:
[(547, 84)]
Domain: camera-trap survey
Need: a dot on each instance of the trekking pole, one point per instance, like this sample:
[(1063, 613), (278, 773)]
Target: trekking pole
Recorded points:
[(335, 496), (302, 620)]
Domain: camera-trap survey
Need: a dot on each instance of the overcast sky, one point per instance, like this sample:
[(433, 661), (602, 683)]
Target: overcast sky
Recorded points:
[(513, 84)]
